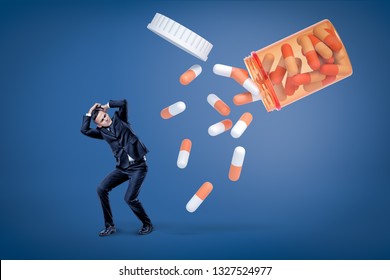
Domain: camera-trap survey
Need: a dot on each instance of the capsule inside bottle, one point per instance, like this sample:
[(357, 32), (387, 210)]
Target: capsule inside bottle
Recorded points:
[(301, 64)]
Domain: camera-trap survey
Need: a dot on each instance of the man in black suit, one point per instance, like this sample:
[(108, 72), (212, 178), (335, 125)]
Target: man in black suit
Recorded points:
[(129, 152)]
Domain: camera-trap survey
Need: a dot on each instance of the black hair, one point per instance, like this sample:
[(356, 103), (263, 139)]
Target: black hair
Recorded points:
[(95, 113)]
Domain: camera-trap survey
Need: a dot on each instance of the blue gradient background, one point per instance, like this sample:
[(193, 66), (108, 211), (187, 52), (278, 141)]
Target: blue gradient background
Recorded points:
[(315, 182)]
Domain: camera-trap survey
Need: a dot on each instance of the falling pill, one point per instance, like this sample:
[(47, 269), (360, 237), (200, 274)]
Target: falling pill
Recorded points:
[(199, 197), (236, 163), (188, 76), (173, 110), (184, 153)]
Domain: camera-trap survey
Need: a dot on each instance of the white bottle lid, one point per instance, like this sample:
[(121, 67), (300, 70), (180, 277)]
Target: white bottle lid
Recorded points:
[(180, 36)]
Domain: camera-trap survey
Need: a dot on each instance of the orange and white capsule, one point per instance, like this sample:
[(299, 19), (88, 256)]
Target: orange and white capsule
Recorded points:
[(290, 86), (173, 110), (280, 93), (289, 59), (341, 67), (318, 85), (241, 125), (323, 50), (330, 60), (309, 52), (277, 75), (198, 198), (328, 36), (190, 75), (339, 56), (220, 127), (184, 153), (336, 69), (236, 163), (218, 104), (307, 78), (245, 98), (267, 62), (241, 76)]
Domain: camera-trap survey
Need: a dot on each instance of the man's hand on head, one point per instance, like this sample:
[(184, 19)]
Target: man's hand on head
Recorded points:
[(96, 105), (105, 107)]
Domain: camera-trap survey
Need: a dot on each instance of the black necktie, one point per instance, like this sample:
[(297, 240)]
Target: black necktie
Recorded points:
[(110, 130)]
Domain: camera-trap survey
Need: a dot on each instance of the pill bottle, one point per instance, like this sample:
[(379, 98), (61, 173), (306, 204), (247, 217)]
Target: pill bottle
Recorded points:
[(299, 65)]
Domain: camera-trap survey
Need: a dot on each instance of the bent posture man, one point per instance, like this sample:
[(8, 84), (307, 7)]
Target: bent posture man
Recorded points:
[(129, 152)]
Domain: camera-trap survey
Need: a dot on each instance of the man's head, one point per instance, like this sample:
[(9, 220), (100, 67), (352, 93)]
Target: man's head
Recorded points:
[(100, 117)]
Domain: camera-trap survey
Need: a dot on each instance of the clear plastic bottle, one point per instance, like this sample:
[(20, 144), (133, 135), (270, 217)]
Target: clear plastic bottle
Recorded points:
[(299, 65)]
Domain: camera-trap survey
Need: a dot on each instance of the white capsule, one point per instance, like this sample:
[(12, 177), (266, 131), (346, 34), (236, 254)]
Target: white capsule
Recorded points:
[(222, 70), (241, 125), (236, 163), (250, 86), (220, 127), (239, 75), (218, 104), (199, 197), (173, 110), (245, 98), (188, 76), (184, 153)]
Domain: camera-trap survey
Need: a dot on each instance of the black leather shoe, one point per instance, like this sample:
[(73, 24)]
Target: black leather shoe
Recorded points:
[(107, 231), (146, 229)]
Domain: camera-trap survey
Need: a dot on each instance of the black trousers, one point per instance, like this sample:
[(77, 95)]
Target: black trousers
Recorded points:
[(135, 174)]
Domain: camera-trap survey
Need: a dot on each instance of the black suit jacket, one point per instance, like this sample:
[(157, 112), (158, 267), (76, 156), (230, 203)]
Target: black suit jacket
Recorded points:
[(123, 141)]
